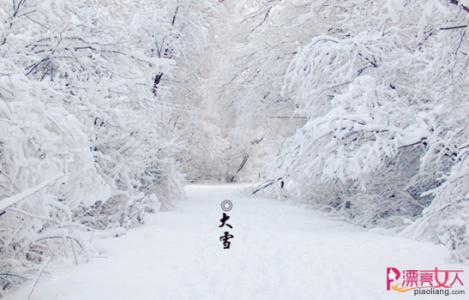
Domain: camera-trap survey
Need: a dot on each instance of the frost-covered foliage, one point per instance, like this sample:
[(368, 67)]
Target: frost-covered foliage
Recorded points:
[(445, 221), (252, 46), (87, 134), (46, 164), (384, 91)]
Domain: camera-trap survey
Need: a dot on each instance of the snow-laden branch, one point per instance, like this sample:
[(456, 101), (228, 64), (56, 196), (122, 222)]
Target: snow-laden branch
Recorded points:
[(13, 200)]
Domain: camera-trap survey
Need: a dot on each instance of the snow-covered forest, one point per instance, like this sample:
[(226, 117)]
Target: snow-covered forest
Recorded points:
[(108, 108)]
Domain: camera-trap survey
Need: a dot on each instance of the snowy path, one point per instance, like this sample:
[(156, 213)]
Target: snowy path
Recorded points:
[(279, 251)]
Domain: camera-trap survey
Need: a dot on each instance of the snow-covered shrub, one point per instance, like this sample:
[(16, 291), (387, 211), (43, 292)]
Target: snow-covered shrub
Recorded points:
[(46, 172), (445, 221), (358, 125)]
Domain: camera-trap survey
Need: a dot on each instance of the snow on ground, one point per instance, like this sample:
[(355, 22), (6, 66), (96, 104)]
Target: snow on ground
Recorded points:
[(280, 251)]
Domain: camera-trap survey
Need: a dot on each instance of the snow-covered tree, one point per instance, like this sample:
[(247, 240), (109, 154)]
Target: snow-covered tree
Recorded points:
[(384, 91), (90, 94)]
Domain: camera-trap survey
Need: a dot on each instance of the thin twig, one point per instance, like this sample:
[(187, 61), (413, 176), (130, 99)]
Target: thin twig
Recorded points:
[(38, 276), (453, 27), (266, 185), (14, 275)]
